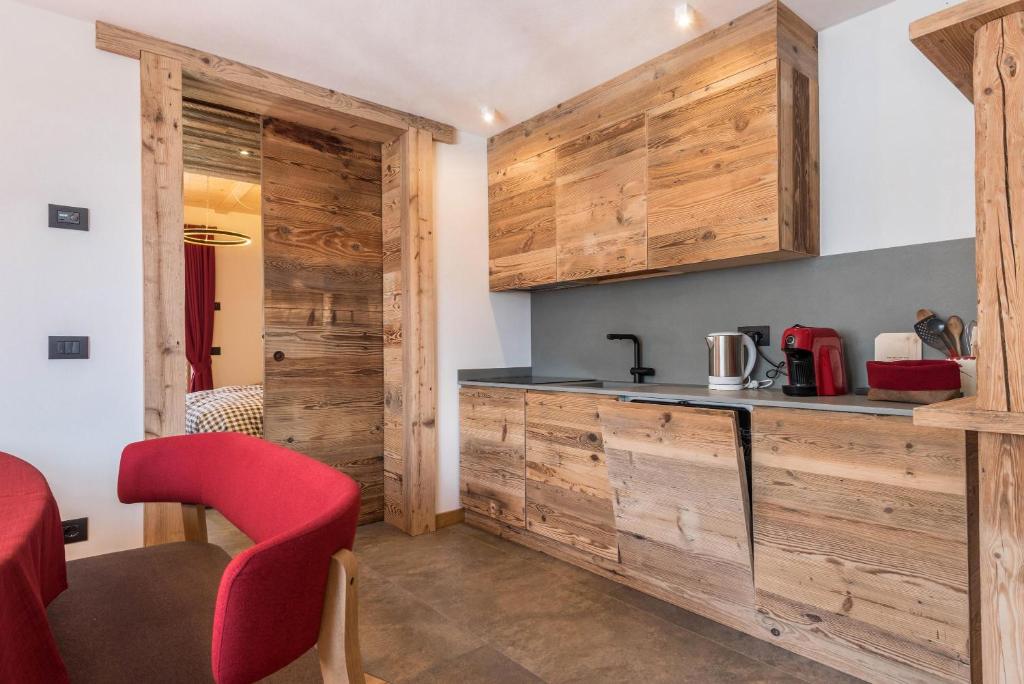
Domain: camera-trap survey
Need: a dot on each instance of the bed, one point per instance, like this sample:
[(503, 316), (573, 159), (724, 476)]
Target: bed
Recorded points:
[(236, 408)]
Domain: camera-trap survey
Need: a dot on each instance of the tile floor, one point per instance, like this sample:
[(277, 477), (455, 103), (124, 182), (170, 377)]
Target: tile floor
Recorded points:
[(463, 606)]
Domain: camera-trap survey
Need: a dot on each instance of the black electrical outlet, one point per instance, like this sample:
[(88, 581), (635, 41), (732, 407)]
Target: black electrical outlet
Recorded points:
[(69, 347), (75, 218), (76, 530), (761, 333)]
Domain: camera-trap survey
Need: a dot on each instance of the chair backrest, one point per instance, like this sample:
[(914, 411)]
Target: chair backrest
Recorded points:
[(298, 511)]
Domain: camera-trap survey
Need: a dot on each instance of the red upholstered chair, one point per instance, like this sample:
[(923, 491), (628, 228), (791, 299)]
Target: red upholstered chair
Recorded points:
[(295, 587)]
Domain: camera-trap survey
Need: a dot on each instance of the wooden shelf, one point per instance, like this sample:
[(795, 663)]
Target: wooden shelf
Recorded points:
[(947, 37), (963, 414)]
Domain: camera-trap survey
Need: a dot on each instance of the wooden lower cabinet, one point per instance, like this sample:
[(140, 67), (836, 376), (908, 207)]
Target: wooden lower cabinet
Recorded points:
[(848, 544), (568, 497), (860, 543), (492, 468)]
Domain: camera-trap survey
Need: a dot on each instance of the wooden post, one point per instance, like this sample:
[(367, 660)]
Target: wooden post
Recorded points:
[(163, 267), (999, 165), (410, 334)]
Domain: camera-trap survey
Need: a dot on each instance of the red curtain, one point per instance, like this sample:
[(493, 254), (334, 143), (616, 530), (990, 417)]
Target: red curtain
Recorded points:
[(200, 288)]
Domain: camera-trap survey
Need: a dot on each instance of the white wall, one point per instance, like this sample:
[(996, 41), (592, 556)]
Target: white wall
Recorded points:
[(69, 134), (475, 328), (897, 139)]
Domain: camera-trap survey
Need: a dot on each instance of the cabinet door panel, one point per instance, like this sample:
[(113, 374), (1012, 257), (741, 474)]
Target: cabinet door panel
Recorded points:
[(521, 203), (493, 453), (712, 170), (568, 497), (860, 541), (680, 498), (601, 202)]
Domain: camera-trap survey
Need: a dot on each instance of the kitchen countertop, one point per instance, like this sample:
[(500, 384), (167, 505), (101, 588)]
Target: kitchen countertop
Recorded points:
[(847, 403)]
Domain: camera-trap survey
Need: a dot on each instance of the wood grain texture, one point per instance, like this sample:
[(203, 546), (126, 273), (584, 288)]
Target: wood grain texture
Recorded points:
[(947, 38), (341, 661), (731, 165), (568, 497), (323, 392), (860, 542), (165, 369), (419, 332), (492, 439), (384, 123), (521, 211), (1001, 556), (681, 510), (964, 414), (601, 202), (999, 158), (713, 175), (213, 138), (395, 506)]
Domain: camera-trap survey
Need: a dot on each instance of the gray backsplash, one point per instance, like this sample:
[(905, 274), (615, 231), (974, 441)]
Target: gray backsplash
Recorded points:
[(859, 294)]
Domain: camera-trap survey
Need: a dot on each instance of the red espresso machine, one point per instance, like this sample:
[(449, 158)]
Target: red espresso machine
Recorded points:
[(814, 359)]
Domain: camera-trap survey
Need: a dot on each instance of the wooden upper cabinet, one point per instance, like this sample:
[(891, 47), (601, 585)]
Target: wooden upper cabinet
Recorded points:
[(601, 202), (704, 157), (713, 172), (521, 210)]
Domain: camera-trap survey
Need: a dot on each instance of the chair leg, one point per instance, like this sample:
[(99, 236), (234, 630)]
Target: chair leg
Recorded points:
[(338, 645)]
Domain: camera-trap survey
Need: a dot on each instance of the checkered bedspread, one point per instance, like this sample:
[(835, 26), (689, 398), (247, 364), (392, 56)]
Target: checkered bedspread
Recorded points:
[(236, 408)]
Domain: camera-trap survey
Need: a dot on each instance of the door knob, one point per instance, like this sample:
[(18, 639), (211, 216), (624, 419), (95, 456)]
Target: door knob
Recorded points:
[(279, 356)]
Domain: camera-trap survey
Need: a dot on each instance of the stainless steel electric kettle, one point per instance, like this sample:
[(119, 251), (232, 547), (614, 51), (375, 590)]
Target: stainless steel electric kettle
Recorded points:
[(727, 369)]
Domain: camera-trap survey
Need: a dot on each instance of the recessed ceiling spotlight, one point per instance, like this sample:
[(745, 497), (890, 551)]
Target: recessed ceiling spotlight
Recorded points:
[(684, 15), (244, 153), (487, 114)]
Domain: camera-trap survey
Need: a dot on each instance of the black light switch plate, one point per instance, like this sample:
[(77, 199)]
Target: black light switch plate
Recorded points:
[(69, 347), (76, 530), (75, 218)]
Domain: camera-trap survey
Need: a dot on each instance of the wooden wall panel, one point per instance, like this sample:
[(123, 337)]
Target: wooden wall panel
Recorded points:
[(493, 453), (680, 497), (601, 202), (860, 542), (713, 165), (568, 497), (322, 223)]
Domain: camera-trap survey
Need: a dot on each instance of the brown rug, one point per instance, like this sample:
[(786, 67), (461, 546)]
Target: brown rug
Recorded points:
[(146, 615)]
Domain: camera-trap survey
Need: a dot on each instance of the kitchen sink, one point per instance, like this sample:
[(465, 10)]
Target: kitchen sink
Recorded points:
[(603, 384)]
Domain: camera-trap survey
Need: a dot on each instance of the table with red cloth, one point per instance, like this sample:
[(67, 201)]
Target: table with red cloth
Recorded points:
[(32, 573)]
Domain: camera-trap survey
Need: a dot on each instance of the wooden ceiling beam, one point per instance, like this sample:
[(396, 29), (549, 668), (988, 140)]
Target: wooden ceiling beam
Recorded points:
[(264, 92), (947, 37)]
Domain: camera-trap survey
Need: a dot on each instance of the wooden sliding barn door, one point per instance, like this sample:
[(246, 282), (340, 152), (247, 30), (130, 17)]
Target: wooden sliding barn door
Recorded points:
[(323, 301)]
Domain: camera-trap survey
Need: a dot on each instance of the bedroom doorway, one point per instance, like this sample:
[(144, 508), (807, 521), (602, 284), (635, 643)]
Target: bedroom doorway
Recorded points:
[(224, 339)]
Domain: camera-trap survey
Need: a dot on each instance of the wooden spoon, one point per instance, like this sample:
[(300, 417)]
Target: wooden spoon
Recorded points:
[(955, 326)]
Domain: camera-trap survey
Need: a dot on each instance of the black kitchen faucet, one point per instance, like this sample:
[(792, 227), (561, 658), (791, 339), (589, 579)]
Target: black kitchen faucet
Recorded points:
[(638, 371)]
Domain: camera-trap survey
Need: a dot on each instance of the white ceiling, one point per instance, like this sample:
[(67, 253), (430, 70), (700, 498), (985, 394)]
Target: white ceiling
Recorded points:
[(439, 58)]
